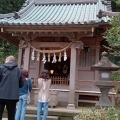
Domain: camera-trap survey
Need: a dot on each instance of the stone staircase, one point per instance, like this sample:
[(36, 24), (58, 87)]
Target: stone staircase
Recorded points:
[(58, 113), (34, 117), (53, 113)]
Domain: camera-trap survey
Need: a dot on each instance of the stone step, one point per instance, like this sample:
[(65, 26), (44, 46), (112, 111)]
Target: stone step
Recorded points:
[(33, 117)]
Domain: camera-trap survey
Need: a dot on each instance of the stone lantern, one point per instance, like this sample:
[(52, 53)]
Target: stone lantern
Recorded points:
[(104, 83)]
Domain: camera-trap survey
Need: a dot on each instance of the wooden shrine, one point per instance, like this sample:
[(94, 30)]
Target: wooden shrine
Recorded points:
[(63, 36)]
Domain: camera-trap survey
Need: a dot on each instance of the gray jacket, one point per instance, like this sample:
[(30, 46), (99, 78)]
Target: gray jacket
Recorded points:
[(10, 81)]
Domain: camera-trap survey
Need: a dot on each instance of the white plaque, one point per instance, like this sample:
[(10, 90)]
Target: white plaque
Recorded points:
[(105, 75)]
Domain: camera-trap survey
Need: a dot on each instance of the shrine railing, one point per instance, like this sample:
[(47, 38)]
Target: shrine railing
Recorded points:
[(59, 80), (56, 80)]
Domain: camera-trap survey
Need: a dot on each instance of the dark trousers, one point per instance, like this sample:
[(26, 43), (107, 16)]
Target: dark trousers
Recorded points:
[(10, 106)]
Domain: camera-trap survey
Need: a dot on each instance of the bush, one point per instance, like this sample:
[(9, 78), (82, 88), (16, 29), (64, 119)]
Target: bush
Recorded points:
[(98, 114), (116, 76)]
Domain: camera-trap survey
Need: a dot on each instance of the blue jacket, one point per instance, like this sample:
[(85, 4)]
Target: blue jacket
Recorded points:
[(10, 81), (24, 89)]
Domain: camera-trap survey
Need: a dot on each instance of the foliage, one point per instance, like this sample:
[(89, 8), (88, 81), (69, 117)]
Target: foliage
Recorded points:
[(99, 114), (118, 90), (118, 2), (112, 36), (7, 6), (116, 76), (115, 5), (7, 49)]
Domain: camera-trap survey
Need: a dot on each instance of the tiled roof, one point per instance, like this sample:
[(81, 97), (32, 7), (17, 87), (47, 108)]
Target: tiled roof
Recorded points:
[(62, 12)]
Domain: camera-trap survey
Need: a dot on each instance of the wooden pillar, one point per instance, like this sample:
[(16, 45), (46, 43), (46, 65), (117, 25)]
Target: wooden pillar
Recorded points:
[(96, 61), (41, 63), (71, 103), (38, 65), (27, 58), (77, 62), (97, 56), (19, 58)]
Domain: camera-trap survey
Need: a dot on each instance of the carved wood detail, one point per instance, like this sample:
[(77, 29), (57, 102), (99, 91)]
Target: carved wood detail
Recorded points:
[(72, 36), (50, 44)]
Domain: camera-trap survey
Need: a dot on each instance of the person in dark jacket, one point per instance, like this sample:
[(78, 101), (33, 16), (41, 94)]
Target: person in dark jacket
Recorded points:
[(11, 79)]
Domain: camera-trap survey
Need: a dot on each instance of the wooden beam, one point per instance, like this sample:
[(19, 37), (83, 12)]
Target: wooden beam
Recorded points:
[(48, 29), (53, 34), (49, 44)]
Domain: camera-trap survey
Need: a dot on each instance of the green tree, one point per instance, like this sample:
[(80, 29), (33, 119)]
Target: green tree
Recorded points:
[(7, 6), (118, 2), (115, 5), (6, 48), (112, 35)]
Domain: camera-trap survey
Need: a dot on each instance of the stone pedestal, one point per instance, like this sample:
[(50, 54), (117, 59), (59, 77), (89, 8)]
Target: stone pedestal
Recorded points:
[(36, 97), (53, 99), (104, 87)]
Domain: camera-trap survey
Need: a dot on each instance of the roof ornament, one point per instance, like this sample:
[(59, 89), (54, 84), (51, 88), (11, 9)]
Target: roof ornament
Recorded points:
[(100, 14), (16, 16), (79, 45), (23, 44), (75, 36)]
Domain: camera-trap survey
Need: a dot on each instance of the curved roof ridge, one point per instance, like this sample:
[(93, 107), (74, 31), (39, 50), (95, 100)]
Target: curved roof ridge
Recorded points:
[(110, 13), (26, 5), (8, 15), (25, 8), (44, 2), (58, 14)]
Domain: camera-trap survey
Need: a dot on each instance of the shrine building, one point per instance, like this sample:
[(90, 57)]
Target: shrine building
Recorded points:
[(63, 36)]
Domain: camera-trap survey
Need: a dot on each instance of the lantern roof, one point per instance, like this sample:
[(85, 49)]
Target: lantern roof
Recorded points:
[(105, 64)]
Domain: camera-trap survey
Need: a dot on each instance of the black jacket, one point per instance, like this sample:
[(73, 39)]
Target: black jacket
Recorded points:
[(10, 81)]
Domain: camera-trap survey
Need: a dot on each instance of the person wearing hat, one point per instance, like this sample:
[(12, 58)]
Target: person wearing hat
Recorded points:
[(44, 84)]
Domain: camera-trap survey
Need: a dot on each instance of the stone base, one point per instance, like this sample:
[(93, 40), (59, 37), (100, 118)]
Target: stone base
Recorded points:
[(103, 105), (71, 106), (53, 99), (104, 87)]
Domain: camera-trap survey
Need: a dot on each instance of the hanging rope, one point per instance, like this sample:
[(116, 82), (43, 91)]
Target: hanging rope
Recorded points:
[(50, 51)]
